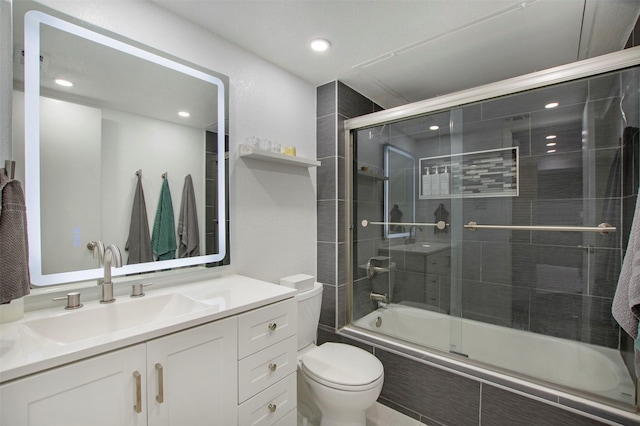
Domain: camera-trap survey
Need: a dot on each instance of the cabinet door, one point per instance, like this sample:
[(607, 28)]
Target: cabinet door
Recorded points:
[(99, 391), (192, 376)]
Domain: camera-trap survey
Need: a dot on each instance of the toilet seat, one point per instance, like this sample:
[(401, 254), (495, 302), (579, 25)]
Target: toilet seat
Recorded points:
[(342, 366)]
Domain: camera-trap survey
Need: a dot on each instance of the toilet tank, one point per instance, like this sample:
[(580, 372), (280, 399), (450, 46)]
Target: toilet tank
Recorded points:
[(309, 304)]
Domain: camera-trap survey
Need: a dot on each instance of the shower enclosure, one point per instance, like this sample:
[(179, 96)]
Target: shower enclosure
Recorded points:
[(489, 226)]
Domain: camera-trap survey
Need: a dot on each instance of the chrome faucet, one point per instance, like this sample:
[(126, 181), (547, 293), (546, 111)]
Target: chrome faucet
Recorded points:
[(380, 298), (412, 234), (111, 253)]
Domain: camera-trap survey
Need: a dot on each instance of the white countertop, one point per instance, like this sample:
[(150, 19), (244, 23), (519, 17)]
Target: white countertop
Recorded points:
[(24, 352)]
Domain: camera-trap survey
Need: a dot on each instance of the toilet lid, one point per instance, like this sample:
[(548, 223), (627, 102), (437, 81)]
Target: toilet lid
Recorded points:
[(343, 364)]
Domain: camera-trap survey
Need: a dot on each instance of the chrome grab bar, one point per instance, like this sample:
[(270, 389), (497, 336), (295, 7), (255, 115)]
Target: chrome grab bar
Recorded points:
[(603, 228), (440, 224)]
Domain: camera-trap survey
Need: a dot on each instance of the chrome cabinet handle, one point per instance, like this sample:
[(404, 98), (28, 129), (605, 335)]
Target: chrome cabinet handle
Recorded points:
[(273, 407), (160, 395), (273, 367), (273, 326), (138, 407)]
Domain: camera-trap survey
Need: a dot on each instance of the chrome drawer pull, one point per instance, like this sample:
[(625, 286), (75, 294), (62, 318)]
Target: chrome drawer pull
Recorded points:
[(138, 406), (273, 326), (273, 407), (273, 367)]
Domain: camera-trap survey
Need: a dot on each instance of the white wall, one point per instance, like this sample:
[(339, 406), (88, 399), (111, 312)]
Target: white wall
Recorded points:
[(272, 208), (6, 80)]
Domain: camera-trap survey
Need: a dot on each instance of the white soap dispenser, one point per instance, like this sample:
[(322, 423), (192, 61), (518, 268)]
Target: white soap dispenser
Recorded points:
[(426, 183), (444, 182), (435, 183)]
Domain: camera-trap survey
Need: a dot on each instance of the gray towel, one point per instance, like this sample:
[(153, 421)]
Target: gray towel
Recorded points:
[(188, 233), (139, 241), (626, 301), (14, 246)]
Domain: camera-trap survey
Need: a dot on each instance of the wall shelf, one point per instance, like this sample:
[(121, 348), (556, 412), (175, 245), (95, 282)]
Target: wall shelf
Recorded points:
[(259, 154)]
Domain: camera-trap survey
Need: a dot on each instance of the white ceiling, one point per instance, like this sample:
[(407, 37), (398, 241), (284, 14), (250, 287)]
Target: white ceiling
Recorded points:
[(401, 51)]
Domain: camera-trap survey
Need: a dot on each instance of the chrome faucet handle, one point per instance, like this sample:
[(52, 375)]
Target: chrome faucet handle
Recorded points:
[(111, 254), (73, 300), (137, 289)]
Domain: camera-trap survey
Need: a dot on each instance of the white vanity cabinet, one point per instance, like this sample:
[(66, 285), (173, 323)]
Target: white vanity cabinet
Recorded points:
[(186, 378), (267, 363), (99, 391), (191, 376)]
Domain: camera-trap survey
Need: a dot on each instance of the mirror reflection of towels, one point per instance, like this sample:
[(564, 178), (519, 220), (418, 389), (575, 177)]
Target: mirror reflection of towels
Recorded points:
[(163, 239), (188, 233), (139, 242), (395, 215), (441, 214)]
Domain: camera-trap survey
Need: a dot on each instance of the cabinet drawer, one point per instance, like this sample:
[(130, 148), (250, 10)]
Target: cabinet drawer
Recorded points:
[(265, 326), (262, 369), (439, 263), (270, 405)]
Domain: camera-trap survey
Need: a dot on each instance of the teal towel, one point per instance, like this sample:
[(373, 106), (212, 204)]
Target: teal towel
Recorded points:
[(163, 239)]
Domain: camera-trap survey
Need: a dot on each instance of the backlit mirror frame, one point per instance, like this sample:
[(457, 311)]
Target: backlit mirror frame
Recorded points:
[(33, 21)]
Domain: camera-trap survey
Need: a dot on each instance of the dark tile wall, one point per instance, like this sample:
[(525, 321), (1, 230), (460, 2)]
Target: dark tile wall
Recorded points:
[(211, 197), (634, 37), (413, 386), (336, 103)]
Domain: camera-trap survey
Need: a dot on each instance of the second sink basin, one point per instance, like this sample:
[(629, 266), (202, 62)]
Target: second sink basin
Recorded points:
[(105, 319)]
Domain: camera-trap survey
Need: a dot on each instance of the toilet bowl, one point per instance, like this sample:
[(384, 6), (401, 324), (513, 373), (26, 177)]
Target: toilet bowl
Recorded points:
[(342, 380)]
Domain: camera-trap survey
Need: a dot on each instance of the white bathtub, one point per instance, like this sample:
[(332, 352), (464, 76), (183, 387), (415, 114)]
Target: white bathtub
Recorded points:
[(576, 365)]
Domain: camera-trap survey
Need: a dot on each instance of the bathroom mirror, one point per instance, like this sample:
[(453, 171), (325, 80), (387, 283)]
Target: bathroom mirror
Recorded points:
[(85, 144), (399, 191)]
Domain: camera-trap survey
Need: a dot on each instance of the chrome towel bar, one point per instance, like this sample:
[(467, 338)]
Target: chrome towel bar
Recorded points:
[(440, 225), (603, 228)]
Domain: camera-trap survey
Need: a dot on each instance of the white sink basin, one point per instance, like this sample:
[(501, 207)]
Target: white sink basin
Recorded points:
[(105, 319)]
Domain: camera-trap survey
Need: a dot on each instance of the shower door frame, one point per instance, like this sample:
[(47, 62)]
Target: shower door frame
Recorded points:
[(565, 73)]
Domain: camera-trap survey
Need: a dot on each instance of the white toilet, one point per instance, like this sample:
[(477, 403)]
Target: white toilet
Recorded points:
[(343, 380)]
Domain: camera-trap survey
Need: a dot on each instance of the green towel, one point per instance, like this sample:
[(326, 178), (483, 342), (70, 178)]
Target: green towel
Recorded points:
[(163, 239)]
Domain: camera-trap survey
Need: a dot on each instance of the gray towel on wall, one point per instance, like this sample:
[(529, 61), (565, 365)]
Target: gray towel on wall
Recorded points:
[(14, 246), (626, 301), (139, 241), (188, 231)]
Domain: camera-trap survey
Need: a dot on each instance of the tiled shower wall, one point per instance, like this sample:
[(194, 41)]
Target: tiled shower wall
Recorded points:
[(336, 103), (413, 386)]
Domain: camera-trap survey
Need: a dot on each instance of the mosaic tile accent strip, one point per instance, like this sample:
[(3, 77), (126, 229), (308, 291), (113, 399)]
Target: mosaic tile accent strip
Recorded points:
[(492, 173)]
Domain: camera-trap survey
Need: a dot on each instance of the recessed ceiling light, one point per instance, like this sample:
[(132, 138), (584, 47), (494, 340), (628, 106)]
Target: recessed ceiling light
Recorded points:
[(320, 45), (184, 114), (551, 105), (434, 127), (551, 144), (551, 137), (62, 82), (551, 151)]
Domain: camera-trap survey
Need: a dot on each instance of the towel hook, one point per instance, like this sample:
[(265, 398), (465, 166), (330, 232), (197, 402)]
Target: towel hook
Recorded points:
[(9, 168), (164, 175), (139, 172)]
